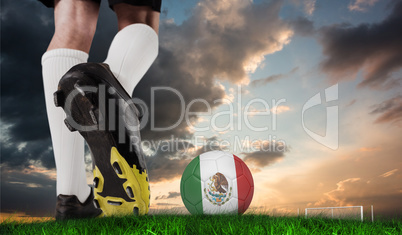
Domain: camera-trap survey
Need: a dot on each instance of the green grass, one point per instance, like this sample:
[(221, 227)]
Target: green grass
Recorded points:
[(220, 224)]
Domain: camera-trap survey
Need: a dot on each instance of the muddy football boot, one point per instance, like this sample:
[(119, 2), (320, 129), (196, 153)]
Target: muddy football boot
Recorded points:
[(99, 108), (69, 207)]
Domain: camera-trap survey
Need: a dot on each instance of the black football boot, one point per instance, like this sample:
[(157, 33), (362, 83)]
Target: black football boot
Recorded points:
[(69, 207), (99, 108)]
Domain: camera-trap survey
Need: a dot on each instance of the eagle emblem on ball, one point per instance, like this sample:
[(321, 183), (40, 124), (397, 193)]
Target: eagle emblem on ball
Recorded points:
[(218, 191)]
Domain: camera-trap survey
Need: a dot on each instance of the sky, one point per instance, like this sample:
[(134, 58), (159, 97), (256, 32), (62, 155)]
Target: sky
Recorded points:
[(306, 92)]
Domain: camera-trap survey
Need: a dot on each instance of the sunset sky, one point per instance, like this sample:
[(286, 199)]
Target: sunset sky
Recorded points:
[(237, 57)]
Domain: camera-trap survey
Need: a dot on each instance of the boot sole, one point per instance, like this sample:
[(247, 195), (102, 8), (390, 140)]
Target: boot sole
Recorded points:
[(120, 177)]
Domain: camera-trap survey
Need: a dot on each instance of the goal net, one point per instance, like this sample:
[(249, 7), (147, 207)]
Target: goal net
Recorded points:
[(344, 212)]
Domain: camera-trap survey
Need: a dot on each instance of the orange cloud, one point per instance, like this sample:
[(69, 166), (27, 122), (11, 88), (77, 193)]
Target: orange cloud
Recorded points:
[(382, 192), (280, 109), (369, 149), (342, 181), (333, 196), (389, 173)]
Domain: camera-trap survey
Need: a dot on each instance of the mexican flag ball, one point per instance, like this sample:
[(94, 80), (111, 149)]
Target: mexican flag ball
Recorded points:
[(216, 182)]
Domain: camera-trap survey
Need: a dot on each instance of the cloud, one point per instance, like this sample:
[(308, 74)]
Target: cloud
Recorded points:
[(196, 53), (352, 102), (389, 173), (322, 180), (358, 191), (23, 116), (361, 5), (266, 80), (268, 154), (211, 144), (309, 6), (167, 164), (27, 163), (32, 191), (280, 109), (303, 26), (369, 149), (208, 37), (192, 56), (263, 158), (306, 6), (21, 154), (23, 113), (335, 195), (272, 78), (390, 110), (372, 47), (170, 195), (352, 182)]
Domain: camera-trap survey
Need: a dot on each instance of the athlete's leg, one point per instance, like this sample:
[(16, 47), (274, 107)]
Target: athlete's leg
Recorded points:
[(135, 46), (120, 175), (128, 14), (75, 24)]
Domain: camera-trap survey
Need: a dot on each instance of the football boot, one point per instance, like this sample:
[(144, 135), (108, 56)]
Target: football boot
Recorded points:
[(98, 107), (69, 207)]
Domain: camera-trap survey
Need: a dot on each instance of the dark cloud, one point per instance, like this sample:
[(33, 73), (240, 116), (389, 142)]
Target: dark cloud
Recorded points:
[(268, 154), (211, 144), (162, 167), (26, 30), (168, 160), (22, 45), (170, 195), (21, 154), (389, 110), (302, 26), (374, 47), (30, 191), (263, 158), (272, 78), (266, 80)]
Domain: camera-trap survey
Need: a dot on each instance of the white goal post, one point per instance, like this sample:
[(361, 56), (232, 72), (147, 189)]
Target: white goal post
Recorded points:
[(332, 210)]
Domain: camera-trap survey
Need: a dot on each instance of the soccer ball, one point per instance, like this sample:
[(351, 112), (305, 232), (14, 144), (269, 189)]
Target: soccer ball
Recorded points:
[(216, 182)]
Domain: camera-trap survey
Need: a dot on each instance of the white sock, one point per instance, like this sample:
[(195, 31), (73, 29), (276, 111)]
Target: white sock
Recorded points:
[(68, 147), (131, 53)]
